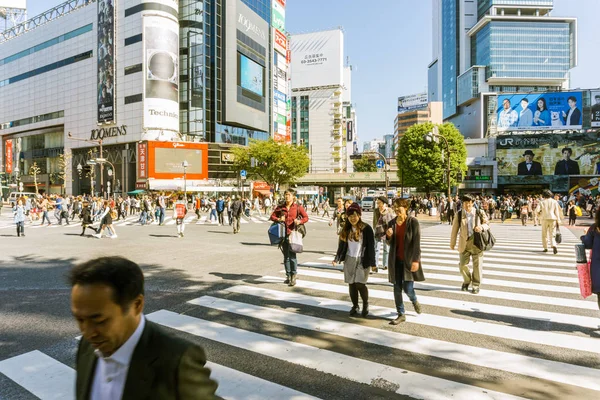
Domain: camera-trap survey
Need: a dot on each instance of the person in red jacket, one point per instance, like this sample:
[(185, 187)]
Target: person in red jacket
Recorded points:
[(292, 214)]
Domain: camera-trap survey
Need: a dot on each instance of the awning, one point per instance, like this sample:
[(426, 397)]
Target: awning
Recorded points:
[(136, 192), (263, 192)]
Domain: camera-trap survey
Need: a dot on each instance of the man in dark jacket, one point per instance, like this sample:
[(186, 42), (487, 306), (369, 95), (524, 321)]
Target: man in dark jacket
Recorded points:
[(529, 167), (122, 355), (566, 166), (236, 213)]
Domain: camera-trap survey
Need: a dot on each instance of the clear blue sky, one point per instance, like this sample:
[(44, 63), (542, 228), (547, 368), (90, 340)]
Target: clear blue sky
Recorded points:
[(389, 45)]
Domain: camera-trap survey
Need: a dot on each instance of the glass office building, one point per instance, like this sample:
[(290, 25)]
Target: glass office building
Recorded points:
[(483, 6), (532, 50), (450, 52)]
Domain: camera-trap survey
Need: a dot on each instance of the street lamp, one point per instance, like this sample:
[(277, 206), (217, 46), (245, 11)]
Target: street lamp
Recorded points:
[(185, 164), (434, 137), (110, 174)]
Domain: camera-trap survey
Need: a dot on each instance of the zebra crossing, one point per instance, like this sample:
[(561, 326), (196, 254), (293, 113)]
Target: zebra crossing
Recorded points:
[(527, 334), (133, 220)]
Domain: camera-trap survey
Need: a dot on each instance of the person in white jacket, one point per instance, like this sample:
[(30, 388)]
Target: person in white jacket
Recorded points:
[(179, 211), (549, 212)]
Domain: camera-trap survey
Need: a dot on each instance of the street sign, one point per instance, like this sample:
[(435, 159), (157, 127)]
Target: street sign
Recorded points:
[(243, 174), (379, 164)]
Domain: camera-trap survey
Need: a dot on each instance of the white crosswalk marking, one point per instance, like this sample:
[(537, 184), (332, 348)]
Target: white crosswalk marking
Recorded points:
[(527, 328)]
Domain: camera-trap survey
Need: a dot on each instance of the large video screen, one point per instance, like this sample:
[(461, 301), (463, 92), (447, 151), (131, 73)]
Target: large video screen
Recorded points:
[(548, 154), (539, 111), (251, 75), (170, 160)]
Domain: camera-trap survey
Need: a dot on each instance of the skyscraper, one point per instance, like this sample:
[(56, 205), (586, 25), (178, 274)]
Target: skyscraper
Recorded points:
[(490, 46)]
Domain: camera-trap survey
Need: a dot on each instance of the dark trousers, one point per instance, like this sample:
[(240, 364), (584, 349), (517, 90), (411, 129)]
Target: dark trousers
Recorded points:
[(220, 217), (290, 261), (45, 218), (401, 284), (21, 228)]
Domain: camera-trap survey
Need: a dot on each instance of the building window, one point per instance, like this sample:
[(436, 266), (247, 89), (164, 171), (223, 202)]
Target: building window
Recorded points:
[(32, 120), (136, 98), (132, 69), (133, 39)]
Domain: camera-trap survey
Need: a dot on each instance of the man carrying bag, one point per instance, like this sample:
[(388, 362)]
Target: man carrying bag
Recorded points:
[(469, 222)]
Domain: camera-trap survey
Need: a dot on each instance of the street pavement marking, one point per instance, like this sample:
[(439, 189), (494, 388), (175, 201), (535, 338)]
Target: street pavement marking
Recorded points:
[(41, 375), (550, 260), (515, 363), (429, 264), (355, 369), (458, 278), (501, 245), (50, 379), (476, 326)]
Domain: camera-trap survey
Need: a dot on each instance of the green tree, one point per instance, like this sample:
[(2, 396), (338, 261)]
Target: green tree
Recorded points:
[(422, 164), (275, 163), (365, 165), (35, 171)]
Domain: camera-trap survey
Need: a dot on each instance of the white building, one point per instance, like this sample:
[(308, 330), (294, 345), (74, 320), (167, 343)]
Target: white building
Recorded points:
[(322, 116)]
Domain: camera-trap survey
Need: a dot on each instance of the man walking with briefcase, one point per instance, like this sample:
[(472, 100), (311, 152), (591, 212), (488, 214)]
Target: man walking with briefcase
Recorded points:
[(549, 211), (468, 222)]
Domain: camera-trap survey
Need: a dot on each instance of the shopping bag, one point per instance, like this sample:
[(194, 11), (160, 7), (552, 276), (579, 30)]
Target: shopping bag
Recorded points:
[(276, 233), (578, 211), (558, 236), (585, 279), (296, 242)]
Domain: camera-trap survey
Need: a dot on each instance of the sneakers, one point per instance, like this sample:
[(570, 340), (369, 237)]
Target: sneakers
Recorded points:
[(97, 236), (354, 311), (417, 307), (114, 236), (401, 318)]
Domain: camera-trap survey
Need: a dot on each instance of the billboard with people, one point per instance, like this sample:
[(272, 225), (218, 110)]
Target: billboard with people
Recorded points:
[(539, 111), (548, 154)]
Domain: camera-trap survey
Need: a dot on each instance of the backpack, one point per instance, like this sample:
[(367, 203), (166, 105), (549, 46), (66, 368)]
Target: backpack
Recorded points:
[(180, 210)]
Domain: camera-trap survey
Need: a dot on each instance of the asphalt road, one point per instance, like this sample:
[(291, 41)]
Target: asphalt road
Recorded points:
[(527, 334)]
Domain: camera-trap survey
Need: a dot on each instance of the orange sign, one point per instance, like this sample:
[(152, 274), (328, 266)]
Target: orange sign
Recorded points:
[(166, 160), (259, 185), (9, 156)]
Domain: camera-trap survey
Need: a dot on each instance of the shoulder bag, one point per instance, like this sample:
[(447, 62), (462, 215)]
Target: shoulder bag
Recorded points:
[(295, 239), (558, 236), (483, 240)]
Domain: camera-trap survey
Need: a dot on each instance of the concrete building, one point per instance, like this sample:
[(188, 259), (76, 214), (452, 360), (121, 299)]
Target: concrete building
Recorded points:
[(144, 85), (430, 112), (322, 116)]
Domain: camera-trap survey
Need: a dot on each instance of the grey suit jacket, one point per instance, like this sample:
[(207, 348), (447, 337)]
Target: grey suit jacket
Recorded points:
[(162, 367)]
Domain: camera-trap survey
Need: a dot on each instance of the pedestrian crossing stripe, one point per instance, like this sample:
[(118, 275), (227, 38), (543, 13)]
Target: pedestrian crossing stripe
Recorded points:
[(521, 364), (402, 381), (483, 328), (50, 379)]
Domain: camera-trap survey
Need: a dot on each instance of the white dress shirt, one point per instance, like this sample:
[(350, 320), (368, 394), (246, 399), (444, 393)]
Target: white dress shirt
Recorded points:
[(111, 372), (471, 221)]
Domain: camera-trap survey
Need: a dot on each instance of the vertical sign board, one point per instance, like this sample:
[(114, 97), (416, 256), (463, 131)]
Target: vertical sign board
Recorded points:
[(9, 156), (161, 83), (106, 62), (349, 131), (142, 160)]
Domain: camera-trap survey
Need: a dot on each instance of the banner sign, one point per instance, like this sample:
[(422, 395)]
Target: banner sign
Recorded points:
[(349, 131), (142, 160), (595, 108), (539, 111), (279, 41), (548, 154), (278, 19), (161, 97), (8, 154), (106, 61)]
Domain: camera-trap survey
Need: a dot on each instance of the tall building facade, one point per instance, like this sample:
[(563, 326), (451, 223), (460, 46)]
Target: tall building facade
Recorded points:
[(322, 116), (142, 85), (481, 48)]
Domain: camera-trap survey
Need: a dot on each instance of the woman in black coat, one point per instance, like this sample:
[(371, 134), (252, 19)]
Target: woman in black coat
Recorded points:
[(591, 240), (404, 258), (356, 249)]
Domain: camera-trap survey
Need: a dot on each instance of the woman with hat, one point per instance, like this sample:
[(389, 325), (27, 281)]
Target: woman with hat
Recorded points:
[(404, 258), (356, 249)]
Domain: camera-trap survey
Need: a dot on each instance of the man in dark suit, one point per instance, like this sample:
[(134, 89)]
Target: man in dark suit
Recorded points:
[(122, 355), (573, 115), (529, 167), (566, 166)]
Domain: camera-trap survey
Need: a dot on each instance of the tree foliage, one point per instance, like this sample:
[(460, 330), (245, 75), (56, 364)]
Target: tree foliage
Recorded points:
[(64, 169), (365, 165), (275, 163), (35, 171), (422, 164)]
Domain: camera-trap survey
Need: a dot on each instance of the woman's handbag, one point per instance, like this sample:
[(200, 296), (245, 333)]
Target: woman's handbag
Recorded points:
[(276, 233), (558, 236), (296, 242), (585, 278)]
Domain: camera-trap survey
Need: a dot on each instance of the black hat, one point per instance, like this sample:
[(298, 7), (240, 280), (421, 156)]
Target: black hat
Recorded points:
[(383, 199), (354, 208), (528, 152)]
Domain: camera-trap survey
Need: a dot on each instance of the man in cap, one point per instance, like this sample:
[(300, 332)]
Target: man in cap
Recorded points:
[(529, 167)]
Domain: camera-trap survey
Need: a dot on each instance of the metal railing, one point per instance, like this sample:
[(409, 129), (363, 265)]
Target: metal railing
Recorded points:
[(47, 16)]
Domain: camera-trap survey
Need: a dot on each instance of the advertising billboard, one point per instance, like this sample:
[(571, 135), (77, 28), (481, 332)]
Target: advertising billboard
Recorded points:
[(412, 102), (539, 111), (584, 186), (251, 75), (279, 42), (595, 95), (142, 155), (278, 16), (161, 83), (197, 68), (165, 160), (548, 154), (318, 59), (8, 150), (106, 62)]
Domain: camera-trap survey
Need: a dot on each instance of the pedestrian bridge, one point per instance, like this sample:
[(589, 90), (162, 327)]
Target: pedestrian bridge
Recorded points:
[(350, 179)]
